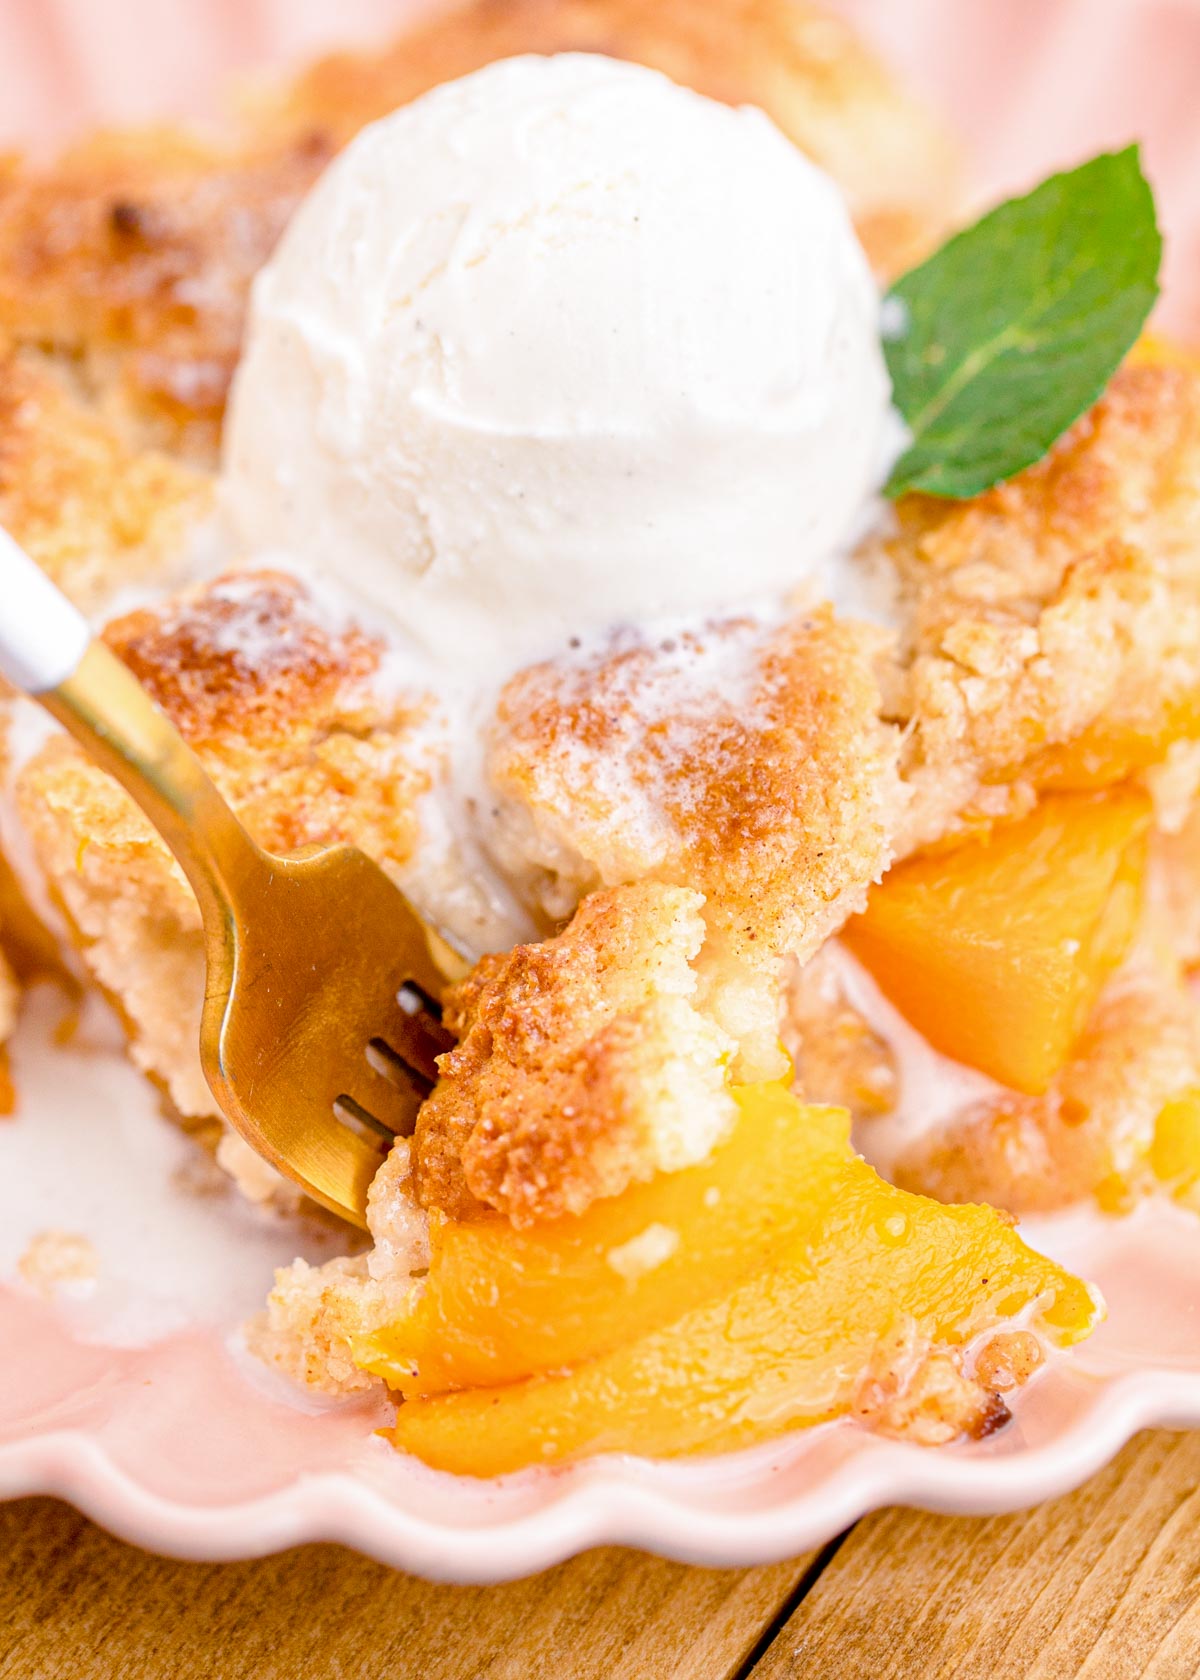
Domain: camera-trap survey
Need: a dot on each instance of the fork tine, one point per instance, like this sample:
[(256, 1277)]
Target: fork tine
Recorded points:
[(353, 1115), (392, 1102), (395, 1069), (417, 1039)]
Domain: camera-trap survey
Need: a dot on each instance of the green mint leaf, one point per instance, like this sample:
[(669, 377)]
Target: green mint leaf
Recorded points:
[(1009, 332)]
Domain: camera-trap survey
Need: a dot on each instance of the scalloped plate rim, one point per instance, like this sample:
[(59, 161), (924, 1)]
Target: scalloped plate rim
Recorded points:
[(606, 1501)]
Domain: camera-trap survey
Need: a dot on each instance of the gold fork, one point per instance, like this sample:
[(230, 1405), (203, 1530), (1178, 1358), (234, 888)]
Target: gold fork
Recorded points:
[(321, 1021)]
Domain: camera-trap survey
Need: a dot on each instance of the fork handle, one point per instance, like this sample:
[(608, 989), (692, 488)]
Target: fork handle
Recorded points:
[(42, 636), (47, 650)]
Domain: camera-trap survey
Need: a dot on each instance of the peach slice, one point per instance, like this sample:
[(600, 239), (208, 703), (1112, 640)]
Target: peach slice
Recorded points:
[(997, 951), (500, 1304), (1108, 753), (782, 1348), (1175, 1149)]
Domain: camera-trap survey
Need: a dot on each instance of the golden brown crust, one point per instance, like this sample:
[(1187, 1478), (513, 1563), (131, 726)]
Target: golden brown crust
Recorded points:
[(280, 707), (582, 1065), (750, 765), (279, 704), (243, 661), (133, 254), (93, 511), (1068, 595)]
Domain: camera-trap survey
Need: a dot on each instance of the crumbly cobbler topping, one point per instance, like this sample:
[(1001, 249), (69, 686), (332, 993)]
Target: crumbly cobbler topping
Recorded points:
[(583, 1065)]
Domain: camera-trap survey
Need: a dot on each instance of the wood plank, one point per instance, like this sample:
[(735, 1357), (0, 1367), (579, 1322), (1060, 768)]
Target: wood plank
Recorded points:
[(77, 1604), (1104, 1584)]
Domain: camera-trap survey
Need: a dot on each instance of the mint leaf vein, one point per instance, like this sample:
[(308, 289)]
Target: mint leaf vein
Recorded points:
[(1017, 324)]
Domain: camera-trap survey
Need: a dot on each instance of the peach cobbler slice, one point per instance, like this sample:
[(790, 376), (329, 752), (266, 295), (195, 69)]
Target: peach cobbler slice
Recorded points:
[(697, 807), (676, 1307), (707, 883), (702, 805)]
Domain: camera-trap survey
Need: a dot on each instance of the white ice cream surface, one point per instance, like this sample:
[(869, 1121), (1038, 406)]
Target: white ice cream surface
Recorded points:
[(558, 347)]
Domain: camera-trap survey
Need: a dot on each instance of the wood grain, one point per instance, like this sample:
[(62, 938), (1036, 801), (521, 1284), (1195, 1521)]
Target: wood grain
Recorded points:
[(1103, 1585), (78, 1605)]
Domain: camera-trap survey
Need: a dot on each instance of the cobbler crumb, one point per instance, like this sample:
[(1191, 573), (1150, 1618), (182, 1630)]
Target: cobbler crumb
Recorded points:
[(58, 1259), (914, 1391), (255, 1178), (643, 1253)]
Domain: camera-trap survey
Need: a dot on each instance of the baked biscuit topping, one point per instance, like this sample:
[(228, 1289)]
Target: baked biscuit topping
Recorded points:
[(1069, 595), (750, 764), (583, 1065), (131, 258)]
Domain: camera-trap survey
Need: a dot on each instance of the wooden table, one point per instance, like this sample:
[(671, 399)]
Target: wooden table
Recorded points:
[(1104, 1584)]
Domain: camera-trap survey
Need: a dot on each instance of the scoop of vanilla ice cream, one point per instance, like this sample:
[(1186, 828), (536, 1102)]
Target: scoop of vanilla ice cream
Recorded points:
[(560, 346)]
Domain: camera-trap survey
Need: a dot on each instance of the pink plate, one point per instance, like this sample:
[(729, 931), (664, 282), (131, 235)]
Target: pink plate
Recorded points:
[(130, 1395)]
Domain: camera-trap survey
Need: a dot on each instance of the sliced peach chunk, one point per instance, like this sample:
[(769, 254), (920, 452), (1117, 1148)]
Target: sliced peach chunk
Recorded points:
[(784, 1347), (1108, 753), (997, 950), (1175, 1148), (499, 1304)]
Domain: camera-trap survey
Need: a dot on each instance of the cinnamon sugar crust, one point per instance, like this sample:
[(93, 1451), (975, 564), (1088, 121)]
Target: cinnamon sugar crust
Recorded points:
[(582, 1065), (132, 255), (238, 663), (748, 764)]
